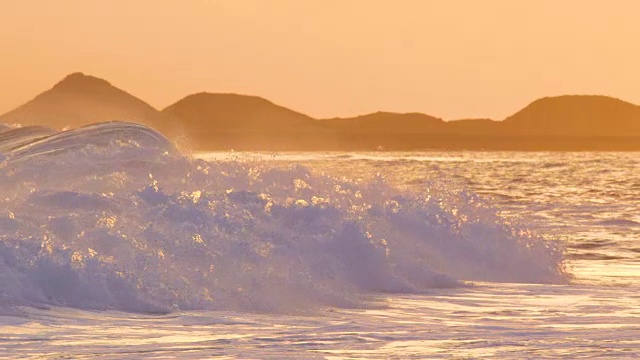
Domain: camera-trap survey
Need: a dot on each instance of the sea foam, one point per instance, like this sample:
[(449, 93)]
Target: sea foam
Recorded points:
[(112, 216)]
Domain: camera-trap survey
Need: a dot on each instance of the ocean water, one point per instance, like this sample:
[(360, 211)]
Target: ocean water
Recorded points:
[(114, 244)]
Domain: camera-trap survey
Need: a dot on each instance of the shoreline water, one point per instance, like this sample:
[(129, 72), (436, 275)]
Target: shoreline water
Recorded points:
[(578, 199)]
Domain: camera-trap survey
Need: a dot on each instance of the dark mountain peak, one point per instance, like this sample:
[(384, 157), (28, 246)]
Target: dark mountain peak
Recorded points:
[(79, 100), (79, 82)]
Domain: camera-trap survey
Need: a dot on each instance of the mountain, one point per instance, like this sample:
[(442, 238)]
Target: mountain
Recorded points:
[(385, 130), (383, 122), (575, 116), (80, 100), (229, 121), (207, 121), (231, 112), (241, 122)]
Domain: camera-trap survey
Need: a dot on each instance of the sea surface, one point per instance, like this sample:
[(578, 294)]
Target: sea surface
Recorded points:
[(113, 244)]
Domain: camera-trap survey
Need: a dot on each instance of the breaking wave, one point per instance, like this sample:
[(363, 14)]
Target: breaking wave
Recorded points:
[(112, 216)]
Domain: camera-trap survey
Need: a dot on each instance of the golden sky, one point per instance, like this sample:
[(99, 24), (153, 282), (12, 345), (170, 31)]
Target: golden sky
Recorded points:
[(447, 58)]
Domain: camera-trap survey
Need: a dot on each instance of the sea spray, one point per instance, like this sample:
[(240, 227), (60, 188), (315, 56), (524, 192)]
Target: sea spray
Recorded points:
[(112, 216)]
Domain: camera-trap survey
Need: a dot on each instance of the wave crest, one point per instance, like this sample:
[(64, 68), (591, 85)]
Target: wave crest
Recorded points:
[(112, 216)]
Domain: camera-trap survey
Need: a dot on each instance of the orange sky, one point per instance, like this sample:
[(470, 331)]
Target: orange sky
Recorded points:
[(451, 59)]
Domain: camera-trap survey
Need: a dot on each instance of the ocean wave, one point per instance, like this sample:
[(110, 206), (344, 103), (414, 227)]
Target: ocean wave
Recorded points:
[(11, 138), (112, 216)]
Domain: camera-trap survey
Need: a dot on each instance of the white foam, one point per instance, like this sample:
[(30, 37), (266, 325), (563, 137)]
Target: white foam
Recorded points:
[(112, 216)]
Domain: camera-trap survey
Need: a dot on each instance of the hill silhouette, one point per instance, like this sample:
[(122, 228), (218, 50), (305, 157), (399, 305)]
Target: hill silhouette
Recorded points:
[(380, 122), (232, 121), (386, 130), (234, 111), (575, 116), (212, 121), (79, 100)]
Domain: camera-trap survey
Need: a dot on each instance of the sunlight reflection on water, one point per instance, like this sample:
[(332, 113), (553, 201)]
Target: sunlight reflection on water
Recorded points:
[(590, 201)]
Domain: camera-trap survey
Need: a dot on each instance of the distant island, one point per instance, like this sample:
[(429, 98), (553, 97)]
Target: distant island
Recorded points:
[(212, 122)]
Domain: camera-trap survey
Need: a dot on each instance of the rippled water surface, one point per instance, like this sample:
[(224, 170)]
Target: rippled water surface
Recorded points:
[(589, 203)]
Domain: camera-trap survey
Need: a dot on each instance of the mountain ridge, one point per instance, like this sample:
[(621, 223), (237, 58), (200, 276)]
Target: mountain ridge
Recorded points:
[(219, 121)]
